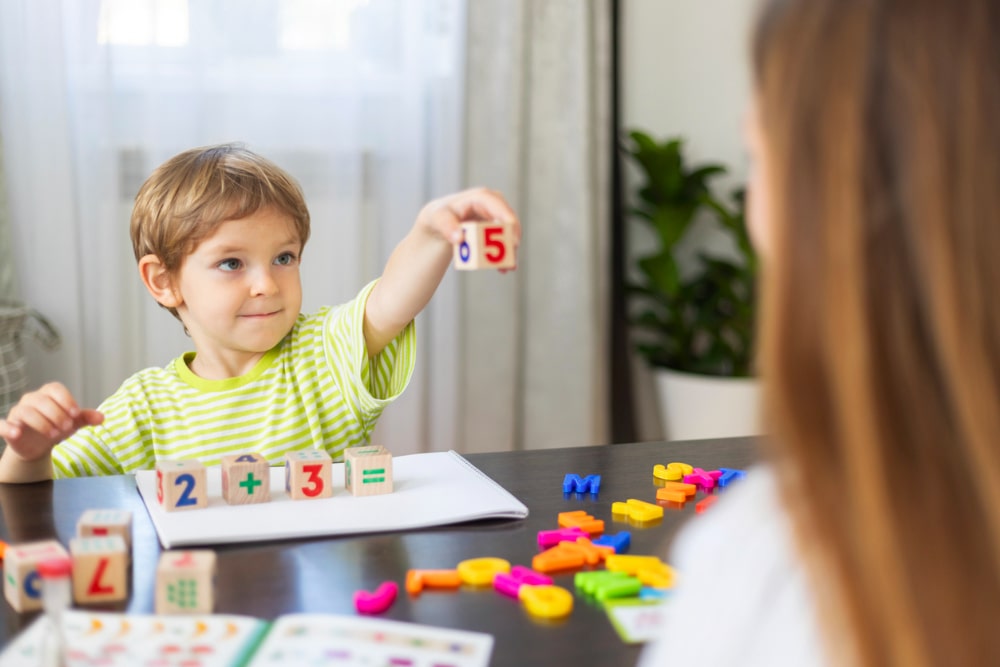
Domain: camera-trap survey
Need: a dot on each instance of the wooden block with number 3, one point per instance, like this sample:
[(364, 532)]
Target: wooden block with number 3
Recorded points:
[(185, 582), (181, 485), (99, 569), (486, 245), (308, 474), (246, 479)]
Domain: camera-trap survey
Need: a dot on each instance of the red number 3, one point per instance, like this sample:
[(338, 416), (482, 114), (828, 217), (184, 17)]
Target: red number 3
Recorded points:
[(494, 244), (315, 481)]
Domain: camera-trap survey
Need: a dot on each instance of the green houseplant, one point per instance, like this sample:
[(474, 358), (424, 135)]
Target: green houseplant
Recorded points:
[(700, 319)]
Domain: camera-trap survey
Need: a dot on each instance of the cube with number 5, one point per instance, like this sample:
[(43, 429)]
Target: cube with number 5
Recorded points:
[(486, 245)]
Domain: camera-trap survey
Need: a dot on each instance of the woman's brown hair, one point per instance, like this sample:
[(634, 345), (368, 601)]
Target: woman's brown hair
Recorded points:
[(880, 342)]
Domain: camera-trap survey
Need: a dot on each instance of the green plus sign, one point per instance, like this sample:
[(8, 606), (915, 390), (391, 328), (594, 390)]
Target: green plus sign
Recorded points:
[(250, 483)]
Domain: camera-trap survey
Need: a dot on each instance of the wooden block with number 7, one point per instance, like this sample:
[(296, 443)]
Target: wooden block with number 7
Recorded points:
[(99, 569), (308, 474), (486, 245), (181, 485)]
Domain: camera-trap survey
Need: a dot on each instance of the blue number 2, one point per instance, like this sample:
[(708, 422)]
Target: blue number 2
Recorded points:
[(185, 498)]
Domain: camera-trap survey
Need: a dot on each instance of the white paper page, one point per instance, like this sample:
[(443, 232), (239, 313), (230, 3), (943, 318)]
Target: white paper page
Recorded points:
[(432, 489), (314, 639)]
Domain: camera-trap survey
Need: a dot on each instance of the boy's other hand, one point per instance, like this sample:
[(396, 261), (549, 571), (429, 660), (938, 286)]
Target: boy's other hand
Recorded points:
[(444, 215), (44, 418)]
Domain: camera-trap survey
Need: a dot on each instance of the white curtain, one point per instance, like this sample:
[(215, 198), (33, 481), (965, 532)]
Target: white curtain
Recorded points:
[(364, 102), (534, 344), (360, 100)]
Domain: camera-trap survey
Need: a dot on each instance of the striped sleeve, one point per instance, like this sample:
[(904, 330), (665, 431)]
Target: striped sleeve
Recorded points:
[(368, 385), (92, 450)]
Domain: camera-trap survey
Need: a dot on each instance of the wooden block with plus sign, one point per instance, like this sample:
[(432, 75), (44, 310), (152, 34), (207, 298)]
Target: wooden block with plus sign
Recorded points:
[(246, 479), (486, 245), (368, 470), (185, 582), (99, 569), (308, 474), (100, 523), (181, 485), (21, 584)]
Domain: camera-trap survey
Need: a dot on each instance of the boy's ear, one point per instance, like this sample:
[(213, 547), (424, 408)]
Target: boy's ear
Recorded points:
[(159, 281)]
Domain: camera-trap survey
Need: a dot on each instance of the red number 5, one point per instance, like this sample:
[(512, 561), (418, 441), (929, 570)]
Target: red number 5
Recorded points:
[(494, 244)]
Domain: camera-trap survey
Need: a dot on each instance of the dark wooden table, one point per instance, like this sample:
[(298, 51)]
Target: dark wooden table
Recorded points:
[(321, 575)]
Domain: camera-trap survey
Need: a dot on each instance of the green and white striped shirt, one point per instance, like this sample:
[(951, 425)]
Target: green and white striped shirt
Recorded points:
[(316, 389)]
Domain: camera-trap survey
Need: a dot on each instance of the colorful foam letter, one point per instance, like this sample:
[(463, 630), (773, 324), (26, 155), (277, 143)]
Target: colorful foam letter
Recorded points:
[(377, 602), (573, 483)]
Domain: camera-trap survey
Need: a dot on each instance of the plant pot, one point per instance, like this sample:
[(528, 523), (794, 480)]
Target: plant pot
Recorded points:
[(693, 407)]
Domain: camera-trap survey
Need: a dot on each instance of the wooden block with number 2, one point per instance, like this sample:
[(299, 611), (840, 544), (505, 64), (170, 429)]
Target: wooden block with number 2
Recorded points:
[(486, 245), (308, 474), (181, 485)]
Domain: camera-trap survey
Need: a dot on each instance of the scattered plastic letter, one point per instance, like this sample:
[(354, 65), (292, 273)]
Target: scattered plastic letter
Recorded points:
[(377, 602), (546, 601)]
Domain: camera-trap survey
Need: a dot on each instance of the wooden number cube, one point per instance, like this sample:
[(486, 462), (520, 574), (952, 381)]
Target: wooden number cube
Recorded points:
[(246, 478), (99, 569), (21, 584), (185, 582), (308, 474), (486, 245), (368, 470), (99, 523), (181, 485)]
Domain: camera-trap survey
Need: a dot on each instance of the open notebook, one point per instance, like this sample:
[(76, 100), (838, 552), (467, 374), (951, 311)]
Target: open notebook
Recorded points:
[(431, 489), (119, 640)]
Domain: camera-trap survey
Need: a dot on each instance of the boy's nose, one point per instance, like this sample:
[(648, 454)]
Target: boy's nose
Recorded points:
[(263, 284)]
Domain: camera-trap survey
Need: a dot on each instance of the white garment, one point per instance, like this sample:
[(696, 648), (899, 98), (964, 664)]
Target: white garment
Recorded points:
[(743, 597)]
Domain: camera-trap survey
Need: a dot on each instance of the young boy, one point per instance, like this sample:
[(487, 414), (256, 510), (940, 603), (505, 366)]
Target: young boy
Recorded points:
[(218, 234)]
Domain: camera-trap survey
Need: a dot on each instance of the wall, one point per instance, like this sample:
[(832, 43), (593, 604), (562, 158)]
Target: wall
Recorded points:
[(685, 72)]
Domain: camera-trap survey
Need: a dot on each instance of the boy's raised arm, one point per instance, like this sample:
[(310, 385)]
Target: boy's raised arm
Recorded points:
[(419, 262), (40, 420)]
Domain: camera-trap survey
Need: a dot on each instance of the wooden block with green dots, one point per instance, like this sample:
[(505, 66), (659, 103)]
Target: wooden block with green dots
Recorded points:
[(185, 582), (246, 479), (368, 470)]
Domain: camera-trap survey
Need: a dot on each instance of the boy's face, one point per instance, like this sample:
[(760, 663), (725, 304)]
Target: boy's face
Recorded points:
[(240, 292)]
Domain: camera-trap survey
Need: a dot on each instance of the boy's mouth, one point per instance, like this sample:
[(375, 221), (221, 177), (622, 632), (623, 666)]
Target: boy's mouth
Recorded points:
[(260, 316)]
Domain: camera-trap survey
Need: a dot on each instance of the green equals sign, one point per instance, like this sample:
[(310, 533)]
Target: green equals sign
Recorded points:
[(373, 476)]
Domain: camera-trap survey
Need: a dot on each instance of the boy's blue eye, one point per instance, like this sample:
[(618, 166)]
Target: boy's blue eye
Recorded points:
[(230, 264), (285, 259)]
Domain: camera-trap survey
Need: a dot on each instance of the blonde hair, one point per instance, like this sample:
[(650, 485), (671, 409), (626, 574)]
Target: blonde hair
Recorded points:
[(187, 197), (880, 342)]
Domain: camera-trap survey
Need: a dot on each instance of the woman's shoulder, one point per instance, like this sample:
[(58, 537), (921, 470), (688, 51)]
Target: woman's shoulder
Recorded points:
[(743, 596)]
